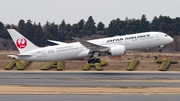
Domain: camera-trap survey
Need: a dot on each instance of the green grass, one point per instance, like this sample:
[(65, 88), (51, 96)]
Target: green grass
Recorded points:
[(19, 65), (165, 64), (132, 65)]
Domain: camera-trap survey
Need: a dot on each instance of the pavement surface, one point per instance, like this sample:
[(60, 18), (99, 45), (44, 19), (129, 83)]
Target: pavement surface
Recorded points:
[(129, 97), (87, 79), (90, 79)]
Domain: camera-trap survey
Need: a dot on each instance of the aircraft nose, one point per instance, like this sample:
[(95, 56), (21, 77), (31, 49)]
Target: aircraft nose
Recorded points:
[(171, 39)]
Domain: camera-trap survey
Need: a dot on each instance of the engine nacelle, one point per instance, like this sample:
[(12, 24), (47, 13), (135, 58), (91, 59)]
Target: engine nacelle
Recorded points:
[(117, 50)]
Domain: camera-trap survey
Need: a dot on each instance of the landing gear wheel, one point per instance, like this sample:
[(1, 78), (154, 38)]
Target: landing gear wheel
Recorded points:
[(90, 61), (98, 60), (160, 50), (94, 60)]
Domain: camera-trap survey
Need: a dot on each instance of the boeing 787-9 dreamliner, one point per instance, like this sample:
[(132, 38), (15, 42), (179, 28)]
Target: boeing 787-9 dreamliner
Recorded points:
[(112, 46)]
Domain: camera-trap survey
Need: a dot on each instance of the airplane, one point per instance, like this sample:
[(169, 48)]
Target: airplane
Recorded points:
[(111, 46)]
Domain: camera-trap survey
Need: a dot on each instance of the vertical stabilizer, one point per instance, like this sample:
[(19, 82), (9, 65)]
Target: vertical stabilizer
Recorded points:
[(22, 43)]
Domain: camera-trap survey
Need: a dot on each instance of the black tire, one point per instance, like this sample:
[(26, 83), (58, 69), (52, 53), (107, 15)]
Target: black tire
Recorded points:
[(90, 61), (93, 60), (160, 50), (98, 60)]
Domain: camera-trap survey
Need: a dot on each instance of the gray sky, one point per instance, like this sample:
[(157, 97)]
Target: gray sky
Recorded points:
[(72, 11)]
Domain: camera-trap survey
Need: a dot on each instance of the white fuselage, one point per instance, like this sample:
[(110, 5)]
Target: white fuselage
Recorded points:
[(77, 50)]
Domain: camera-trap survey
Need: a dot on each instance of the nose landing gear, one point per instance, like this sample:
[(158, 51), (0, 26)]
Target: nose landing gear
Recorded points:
[(161, 48)]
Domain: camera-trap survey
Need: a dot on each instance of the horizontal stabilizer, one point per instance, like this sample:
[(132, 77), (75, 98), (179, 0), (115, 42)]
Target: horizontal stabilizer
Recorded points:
[(11, 56), (24, 55), (19, 55)]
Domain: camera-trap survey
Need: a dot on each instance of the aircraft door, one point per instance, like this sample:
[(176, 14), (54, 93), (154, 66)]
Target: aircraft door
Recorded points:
[(44, 54), (41, 55), (157, 37)]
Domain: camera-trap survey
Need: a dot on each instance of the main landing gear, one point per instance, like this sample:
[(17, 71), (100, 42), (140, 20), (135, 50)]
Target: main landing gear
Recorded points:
[(94, 58)]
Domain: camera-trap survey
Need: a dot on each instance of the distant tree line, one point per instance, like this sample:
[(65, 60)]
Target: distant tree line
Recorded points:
[(39, 34)]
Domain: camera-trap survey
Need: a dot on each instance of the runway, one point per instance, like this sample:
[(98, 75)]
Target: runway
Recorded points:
[(90, 79), (130, 97), (57, 83)]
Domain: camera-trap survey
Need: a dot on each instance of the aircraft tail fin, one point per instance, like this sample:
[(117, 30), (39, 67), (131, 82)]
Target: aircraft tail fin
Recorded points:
[(22, 43)]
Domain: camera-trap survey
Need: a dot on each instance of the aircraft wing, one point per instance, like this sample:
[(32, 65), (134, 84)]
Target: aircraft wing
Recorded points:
[(57, 42), (91, 46)]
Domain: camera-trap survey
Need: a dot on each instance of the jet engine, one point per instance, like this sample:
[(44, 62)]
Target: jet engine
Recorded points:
[(117, 50)]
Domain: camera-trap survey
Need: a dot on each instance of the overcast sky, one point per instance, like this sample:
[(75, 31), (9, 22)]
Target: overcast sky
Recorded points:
[(72, 11)]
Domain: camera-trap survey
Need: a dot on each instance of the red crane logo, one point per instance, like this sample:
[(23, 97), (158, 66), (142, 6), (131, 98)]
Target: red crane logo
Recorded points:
[(21, 43)]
